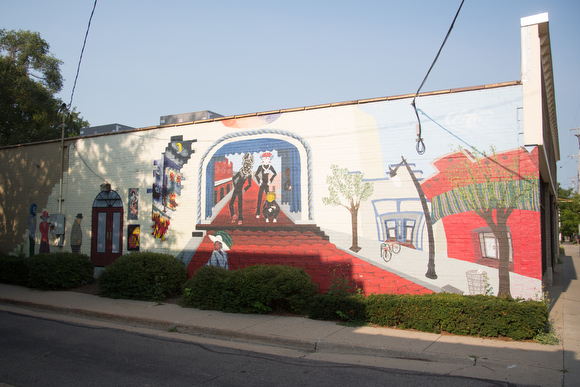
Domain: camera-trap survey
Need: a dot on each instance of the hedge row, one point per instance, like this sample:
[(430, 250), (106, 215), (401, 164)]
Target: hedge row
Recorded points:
[(262, 289), (143, 276), (484, 316), (254, 289), (267, 288), (139, 276), (52, 271)]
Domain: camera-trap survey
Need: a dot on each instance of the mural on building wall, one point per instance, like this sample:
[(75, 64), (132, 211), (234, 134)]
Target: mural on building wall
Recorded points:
[(409, 224), (411, 214), (168, 184), (133, 204), (270, 232), (440, 221)]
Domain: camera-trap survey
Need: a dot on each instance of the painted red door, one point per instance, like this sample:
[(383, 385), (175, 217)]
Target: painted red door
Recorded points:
[(107, 240)]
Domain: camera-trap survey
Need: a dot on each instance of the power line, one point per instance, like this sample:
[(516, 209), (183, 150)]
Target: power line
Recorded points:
[(87, 165), (81, 57), (420, 147)]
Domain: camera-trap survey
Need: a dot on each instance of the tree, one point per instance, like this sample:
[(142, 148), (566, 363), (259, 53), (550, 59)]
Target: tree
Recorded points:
[(569, 206), (350, 188), (492, 187), (29, 79)]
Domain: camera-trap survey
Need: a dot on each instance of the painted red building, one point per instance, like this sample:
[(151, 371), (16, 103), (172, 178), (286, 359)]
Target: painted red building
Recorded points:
[(466, 184), (223, 179)]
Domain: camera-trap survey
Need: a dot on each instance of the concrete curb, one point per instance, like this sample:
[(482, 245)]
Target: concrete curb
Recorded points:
[(310, 346), (190, 329), (300, 337)]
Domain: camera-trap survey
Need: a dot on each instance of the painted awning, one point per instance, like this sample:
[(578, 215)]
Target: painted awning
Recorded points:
[(521, 194)]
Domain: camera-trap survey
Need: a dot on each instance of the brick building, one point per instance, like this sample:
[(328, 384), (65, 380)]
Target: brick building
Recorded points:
[(476, 210)]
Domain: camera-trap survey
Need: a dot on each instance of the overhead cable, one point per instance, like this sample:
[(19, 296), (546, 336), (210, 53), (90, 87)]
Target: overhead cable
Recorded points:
[(81, 57), (420, 147)]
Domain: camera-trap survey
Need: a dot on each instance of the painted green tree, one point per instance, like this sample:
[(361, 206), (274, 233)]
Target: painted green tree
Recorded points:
[(348, 190), (492, 187)]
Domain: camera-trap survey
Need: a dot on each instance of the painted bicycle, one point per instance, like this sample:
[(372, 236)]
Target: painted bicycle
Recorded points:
[(388, 249)]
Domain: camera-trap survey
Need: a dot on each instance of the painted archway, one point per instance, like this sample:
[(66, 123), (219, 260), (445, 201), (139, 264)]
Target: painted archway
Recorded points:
[(293, 151), (107, 228)]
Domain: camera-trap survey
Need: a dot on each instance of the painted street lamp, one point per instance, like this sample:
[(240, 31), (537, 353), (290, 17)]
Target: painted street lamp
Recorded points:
[(431, 265)]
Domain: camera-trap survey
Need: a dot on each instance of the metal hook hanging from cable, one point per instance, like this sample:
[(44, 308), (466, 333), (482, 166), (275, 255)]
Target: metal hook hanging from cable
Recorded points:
[(420, 147)]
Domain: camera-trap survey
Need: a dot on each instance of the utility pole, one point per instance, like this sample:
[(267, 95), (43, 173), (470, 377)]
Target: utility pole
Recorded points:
[(578, 177), (63, 108), (574, 187), (578, 190)]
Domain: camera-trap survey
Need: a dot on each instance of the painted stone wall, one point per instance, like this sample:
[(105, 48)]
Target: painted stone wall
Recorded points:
[(340, 191)]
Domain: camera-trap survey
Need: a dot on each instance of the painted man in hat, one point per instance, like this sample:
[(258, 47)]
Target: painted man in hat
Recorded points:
[(265, 175), (76, 235), (244, 175)]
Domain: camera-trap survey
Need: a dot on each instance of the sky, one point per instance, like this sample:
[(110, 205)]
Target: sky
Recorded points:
[(145, 59)]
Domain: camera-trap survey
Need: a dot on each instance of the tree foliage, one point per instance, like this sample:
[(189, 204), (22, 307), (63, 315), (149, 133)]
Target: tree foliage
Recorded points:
[(348, 190), (569, 205), (29, 79)]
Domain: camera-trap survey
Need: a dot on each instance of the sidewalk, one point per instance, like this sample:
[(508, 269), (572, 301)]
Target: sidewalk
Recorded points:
[(508, 361), (568, 305)]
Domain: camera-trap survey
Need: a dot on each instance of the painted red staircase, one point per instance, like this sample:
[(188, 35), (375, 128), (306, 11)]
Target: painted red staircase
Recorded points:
[(306, 249), (256, 242)]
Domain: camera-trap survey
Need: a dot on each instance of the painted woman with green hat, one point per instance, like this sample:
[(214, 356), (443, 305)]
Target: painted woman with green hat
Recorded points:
[(222, 241)]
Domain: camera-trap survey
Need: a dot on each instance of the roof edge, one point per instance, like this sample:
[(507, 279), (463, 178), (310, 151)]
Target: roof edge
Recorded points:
[(291, 110), (353, 102)]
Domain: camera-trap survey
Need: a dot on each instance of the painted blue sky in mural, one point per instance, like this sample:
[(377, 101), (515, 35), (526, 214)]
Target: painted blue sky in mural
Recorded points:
[(449, 122), (243, 57)]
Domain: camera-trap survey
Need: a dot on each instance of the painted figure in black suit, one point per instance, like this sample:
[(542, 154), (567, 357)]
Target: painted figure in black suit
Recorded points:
[(264, 176), (243, 175)]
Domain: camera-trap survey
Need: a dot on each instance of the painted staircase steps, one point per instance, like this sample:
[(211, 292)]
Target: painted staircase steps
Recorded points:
[(322, 260)]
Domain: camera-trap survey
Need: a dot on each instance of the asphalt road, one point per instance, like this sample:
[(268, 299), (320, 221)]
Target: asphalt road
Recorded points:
[(35, 351)]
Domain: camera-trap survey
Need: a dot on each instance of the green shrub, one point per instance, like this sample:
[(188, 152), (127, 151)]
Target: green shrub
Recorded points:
[(345, 307), (485, 316), (59, 270), (254, 289), (205, 289), (14, 270), (143, 276)]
